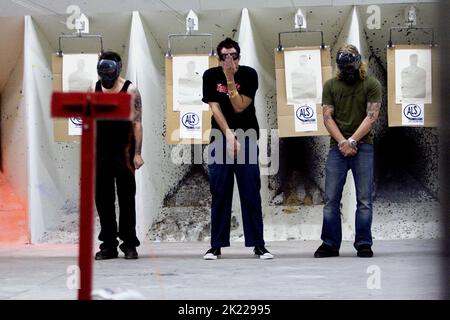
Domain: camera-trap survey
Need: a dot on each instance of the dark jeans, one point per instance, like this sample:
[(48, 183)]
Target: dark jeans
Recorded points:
[(112, 172), (221, 181), (336, 173)]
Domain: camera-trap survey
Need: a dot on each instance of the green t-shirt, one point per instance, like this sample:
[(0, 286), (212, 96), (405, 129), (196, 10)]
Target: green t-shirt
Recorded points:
[(350, 103)]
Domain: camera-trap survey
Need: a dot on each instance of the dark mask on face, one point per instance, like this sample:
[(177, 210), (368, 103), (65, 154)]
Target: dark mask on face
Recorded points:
[(349, 74), (108, 71), (348, 64)]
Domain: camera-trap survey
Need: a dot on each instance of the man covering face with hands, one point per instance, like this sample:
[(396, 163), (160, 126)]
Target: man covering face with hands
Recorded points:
[(230, 92)]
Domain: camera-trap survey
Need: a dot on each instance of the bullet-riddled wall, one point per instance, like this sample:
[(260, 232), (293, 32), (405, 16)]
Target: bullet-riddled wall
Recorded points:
[(13, 134), (173, 200), (13, 128)]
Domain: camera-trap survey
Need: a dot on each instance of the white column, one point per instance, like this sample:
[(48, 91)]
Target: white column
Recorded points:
[(53, 168), (144, 70)]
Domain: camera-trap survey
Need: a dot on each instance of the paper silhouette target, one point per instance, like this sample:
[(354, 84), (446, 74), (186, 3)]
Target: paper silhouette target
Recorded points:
[(413, 76)]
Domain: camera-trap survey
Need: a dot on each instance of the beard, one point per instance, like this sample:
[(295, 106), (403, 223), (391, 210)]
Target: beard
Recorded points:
[(350, 76)]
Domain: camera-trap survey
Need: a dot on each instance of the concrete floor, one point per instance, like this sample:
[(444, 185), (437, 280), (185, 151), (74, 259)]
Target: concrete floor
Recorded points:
[(409, 269)]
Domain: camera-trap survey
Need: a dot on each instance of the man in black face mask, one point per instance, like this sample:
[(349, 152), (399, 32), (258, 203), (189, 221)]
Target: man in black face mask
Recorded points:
[(119, 145), (348, 64), (109, 71), (351, 103)]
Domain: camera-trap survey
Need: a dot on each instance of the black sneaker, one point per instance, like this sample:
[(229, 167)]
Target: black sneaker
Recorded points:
[(212, 254), (105, 254), (263, 253), (325, 251), (365, 251), (129, 252)]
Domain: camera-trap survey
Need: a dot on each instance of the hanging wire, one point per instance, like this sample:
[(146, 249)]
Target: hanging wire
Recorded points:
[(293, 5), (176, 13), (34, 6), (44, 7)]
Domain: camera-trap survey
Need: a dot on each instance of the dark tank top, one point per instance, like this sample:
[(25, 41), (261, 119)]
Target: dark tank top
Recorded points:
[(115, 137)]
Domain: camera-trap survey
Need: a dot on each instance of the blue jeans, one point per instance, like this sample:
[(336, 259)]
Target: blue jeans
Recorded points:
[(221, 181), (336, 173)]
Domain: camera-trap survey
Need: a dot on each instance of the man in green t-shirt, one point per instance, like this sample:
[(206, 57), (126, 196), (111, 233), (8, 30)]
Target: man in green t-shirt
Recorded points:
[(351, 103)]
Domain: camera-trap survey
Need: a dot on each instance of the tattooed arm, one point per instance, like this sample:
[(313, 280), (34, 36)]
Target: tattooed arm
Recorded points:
[(137, 127), (334, 131), (330, 124), (373, 110)]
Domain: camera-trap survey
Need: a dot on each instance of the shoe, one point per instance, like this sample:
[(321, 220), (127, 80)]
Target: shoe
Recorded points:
[(105, 254), (263, 253), (325, 251), (129, 252), (116, 294), (212, 254), (365, 251)]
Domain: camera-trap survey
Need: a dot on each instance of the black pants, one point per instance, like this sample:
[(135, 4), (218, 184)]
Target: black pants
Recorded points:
[(113, 172), (222, 170)]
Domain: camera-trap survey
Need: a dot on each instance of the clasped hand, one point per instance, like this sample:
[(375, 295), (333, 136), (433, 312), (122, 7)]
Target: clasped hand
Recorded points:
[(346, 149)]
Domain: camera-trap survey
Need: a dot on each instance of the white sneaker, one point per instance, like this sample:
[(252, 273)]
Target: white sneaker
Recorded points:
[(266, 256), (116, 294), (263, 253), (212, 254)]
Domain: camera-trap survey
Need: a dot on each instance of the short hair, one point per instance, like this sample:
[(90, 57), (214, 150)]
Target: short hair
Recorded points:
[(228, 43), (110, 55)]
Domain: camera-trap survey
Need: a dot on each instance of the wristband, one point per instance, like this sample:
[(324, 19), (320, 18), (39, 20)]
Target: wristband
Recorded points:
[(233, 93)]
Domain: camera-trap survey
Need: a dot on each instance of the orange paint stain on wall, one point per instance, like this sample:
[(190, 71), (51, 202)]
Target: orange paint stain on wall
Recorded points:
[(13, 216)]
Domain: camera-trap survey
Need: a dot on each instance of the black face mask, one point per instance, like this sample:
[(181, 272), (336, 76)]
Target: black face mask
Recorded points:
[(349, 74), (348, 64), (108, 71)]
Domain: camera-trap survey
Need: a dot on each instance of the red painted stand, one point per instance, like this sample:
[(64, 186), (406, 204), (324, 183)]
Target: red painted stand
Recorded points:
[(90, 107)]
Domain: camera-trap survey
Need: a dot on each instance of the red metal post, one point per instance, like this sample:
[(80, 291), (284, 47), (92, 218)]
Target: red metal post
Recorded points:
[(86, 207), (89, 106)]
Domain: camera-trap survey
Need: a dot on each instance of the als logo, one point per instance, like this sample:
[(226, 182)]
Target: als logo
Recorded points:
[(76, 121), (191, 120), (413, 112), (305, 113)]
